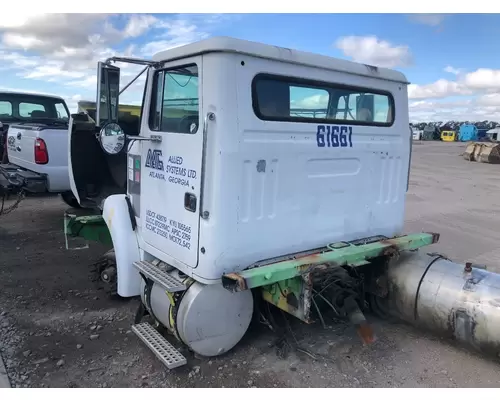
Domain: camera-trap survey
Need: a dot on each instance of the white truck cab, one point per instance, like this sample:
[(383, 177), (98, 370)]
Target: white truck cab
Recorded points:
[(264, 151), (245, 155)]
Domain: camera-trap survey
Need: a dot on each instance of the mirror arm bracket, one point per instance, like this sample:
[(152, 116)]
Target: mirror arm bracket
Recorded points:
[(152, 138)]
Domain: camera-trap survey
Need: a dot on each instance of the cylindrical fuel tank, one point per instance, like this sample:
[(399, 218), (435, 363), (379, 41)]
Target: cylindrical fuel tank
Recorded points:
[(456, 300), (209, 319)]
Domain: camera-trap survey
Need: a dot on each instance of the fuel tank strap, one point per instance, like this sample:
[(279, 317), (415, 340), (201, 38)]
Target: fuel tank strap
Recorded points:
[(437, 257), (148, 287)]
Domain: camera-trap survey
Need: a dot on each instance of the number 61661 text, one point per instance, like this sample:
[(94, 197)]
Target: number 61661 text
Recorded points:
[(334, 136)]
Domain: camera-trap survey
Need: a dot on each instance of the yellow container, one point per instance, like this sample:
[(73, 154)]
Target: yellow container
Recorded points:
[(448, 136), (123, 109)]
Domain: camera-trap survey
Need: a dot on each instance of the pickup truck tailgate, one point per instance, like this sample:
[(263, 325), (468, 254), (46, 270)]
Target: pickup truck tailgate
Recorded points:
[(21, 145), (42, 149)]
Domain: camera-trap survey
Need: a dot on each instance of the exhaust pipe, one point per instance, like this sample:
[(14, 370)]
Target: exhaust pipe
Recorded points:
[(458, 301)]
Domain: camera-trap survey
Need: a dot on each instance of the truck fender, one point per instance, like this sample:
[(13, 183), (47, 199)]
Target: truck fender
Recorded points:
[(117, 217)]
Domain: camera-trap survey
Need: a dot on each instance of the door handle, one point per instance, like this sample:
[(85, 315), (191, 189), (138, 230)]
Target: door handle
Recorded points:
[(190, 202), (19, 136), (18, 148)]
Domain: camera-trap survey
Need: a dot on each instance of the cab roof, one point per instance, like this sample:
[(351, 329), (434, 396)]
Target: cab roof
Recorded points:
[(32, 94), (231, 45)]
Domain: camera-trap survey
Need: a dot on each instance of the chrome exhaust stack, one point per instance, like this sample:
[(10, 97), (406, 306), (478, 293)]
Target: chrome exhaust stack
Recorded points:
[(457, 301)]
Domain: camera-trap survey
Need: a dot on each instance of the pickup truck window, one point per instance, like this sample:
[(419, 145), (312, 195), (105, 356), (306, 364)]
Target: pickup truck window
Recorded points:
[(26, 110), (26, 107), (61, 112), (5, 109)]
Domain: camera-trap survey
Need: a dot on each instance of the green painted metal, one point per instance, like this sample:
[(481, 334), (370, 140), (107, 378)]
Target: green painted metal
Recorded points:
[(336, 254), (89, 227), (289, 296)]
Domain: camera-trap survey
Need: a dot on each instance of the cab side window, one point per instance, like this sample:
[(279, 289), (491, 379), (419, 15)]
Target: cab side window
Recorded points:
[(175, 102)]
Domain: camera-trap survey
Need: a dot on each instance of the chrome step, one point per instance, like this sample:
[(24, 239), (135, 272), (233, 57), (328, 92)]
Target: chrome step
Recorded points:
[(160, 346), (162, 278)]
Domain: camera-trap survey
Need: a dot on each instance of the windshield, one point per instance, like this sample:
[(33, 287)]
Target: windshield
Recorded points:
[(32, 108)]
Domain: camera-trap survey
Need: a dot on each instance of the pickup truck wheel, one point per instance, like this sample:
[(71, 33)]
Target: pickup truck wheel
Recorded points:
[(70, 200)]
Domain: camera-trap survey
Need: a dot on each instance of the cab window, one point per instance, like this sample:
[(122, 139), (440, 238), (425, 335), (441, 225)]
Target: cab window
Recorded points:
[(279, 98), (175, 100)]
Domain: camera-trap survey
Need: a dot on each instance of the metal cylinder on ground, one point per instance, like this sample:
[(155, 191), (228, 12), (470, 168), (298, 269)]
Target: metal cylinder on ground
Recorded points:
[(209, 319), (458, 301)]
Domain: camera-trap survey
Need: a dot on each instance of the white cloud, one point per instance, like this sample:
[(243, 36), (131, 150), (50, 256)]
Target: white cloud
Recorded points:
[(374, 51), (481, 81), (139, 24), (17, 19), (480, 108), (440, 89), (451, 70), (312, 102), (428, 19), (176, 33), (63, 49), (489, 100), (482, 88)]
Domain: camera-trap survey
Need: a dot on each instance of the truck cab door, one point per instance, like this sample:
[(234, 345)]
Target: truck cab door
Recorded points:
[(171, 169)]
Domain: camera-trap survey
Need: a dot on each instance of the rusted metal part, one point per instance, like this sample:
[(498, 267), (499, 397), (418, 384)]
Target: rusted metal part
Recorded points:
[(292, 296), (333, 256), (357, 318), (365, 332), (234, 282)]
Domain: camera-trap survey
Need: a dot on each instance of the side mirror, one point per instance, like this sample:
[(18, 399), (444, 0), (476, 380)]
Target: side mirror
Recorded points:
[(112, 138), (108, 90)]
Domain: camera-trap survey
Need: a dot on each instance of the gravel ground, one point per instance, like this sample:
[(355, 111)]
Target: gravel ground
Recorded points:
[(58, 330)]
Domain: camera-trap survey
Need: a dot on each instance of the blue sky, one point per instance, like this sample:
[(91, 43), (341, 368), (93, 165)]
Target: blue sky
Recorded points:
[(451, 60)]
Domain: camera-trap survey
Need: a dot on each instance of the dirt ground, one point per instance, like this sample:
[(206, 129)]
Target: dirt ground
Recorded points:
[(58, 330)]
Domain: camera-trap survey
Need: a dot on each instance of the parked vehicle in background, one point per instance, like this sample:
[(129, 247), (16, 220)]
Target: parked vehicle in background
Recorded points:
[(467, 133), (431, 132), (449, 136), (35, 144), (417, 134), (493, 135)]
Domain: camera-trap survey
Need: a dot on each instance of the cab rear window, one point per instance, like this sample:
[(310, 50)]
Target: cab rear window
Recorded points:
[(279, 98)]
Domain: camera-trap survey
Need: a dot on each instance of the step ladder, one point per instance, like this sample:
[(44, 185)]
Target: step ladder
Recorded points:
[(160, 346), (160, 276)]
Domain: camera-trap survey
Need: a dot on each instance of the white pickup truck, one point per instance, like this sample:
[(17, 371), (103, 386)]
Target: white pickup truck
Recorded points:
[(35, 144)]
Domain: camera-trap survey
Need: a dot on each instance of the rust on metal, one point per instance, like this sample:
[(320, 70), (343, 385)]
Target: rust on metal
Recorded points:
[(435, 236), (234, 282), (310, 258), (366, 333), (391, 251), (353, 254)]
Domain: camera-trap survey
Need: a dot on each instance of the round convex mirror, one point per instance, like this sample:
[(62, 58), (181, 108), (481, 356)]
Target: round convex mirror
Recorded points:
[(112, 138)]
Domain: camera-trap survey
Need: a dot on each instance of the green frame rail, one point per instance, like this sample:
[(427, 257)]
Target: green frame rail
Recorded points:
[(337, 254)]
